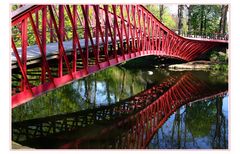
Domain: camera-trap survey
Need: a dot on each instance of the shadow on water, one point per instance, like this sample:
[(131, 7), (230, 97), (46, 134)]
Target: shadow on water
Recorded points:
[(120, 108)]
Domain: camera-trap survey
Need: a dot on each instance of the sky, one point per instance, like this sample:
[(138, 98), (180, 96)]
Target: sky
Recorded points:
[(173, 8)]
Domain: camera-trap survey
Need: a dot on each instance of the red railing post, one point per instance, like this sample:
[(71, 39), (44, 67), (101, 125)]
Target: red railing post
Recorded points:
[(187, 46), (61, 32), (85, 10), (39, 43), (60, 41), (139, 13), (153, 36), (115, 37), (44, 42), (98, 30), (166, 42), (24, 36), (170, 40), (159, 39), (147, 33), (163, 41), (122, 22), (135, 33), (176, 48), (87, 28), (124, 28), (156, 38), (74, 61), (149, 37), (197, 48), (76, 39), (96, 10), (107, 27), (120, 34), (173, 44), (130, 29), (144, 33), (24, 75), (180, 51)]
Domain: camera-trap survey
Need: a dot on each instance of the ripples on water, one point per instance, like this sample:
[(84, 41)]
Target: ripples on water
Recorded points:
[(120, 108)]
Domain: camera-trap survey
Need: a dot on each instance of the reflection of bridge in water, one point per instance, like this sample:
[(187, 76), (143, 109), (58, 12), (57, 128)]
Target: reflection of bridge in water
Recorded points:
[(129, 124)]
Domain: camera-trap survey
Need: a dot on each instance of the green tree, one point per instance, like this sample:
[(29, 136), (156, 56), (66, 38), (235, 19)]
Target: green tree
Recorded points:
[(180, 19), (161, 11), (165, 17), (203, 19), (223, 20)]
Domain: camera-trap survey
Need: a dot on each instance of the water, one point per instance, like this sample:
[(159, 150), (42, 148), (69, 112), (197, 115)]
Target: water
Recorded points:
[(129, 108), (190, 127)]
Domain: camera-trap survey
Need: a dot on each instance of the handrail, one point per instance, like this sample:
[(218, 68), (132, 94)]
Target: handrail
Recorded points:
[(21, 12), (164, 27)]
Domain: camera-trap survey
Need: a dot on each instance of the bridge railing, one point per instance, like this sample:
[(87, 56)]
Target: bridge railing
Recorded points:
[(55, 44), (209, 36), (196, 34)]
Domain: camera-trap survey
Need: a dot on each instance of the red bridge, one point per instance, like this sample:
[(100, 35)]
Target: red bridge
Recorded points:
[(55, 45)]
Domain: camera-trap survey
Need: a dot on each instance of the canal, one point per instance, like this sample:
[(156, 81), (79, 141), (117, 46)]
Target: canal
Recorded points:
[(120, 108)]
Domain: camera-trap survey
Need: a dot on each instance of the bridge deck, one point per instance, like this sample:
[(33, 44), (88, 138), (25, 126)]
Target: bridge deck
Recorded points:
[(33, 52), (207, 39)]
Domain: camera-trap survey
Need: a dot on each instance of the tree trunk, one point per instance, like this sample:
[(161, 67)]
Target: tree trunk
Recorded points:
[(205, 25), (161, 9), (108, 93), (180, 19), (223, 20), (202, 19), (189, 19), (208, 8), (217, 136)]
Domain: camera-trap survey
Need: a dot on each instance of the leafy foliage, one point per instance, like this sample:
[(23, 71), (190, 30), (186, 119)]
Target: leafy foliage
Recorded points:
[(115, 81), (200, 124), (220, 63), (204, 19), (167, 17)]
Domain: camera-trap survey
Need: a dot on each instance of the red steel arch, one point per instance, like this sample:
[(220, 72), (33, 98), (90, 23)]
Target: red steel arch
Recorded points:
[(53, 45)]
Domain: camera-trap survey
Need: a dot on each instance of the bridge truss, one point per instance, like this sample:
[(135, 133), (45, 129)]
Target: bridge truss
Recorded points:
[(53, 45)]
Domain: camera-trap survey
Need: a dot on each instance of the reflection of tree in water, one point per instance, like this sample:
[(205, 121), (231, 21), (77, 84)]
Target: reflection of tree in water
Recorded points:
[(117, 84), (220, 135), (62, 100), (199, 118), (199, 125)]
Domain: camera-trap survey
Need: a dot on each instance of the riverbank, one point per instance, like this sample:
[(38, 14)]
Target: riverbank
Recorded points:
[(176, 65), (18, 146), (199, 65), (193, 65)]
